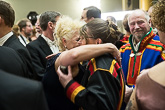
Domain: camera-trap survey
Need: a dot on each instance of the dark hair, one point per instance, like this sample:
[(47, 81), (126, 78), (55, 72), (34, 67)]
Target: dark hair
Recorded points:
[(93, 11), (46, 17), (22, 23), (98, 28), (7, 13), (125, 23)]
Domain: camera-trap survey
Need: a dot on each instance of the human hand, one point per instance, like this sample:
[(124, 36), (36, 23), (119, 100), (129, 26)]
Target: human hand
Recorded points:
[(64, 78), (116, 53), (51, 55)]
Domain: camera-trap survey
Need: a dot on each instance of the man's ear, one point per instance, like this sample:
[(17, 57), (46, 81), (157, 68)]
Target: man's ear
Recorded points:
[(23, 28), (99, 41), (1, 20), (92, 18), (50, 25)]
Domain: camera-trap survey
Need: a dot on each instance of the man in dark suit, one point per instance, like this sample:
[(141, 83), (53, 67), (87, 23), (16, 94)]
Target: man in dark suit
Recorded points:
[(18, 93), (44, 45), (25, 28), (8, 39), (11, 62)]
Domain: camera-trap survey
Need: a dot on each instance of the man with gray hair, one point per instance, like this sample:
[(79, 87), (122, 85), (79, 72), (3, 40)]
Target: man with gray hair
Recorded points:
[(44, 45), (144, 49)]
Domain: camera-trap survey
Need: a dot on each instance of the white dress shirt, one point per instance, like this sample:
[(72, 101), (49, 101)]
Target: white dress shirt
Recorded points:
[(136, 46), (51, 44)]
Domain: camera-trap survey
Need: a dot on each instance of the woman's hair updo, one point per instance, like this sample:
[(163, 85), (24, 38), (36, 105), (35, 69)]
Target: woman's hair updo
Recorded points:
[(105, 30)]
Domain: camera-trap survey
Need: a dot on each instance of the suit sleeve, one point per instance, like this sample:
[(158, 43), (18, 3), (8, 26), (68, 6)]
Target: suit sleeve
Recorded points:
[(101, 92)]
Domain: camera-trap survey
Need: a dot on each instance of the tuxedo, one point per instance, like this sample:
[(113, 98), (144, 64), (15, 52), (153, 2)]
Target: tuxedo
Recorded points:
[(38, 50), (19, 93), (14, 43), (11, 62)]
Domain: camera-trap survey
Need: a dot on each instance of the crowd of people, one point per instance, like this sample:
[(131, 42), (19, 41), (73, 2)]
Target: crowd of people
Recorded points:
[(88, 64)]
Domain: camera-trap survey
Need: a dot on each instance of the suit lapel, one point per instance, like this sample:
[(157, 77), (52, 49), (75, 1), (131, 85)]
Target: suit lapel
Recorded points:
[(44, 46), (9, 40)]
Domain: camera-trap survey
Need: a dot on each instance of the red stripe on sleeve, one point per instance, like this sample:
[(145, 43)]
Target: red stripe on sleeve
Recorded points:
[(71, 88)]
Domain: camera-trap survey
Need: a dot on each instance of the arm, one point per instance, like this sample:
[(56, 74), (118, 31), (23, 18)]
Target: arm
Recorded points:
[(86, 52), (100, 85), (50, 56)]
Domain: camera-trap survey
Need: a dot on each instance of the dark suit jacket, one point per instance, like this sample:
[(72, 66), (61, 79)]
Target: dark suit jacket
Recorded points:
[(11, 62), (18, 93), (14, 43), (38, 50)]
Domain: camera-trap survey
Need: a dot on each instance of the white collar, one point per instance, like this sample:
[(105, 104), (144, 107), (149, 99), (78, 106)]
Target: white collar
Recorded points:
[(23, 36), (4, 38), (136, 46), (23, 40), (49, 42)]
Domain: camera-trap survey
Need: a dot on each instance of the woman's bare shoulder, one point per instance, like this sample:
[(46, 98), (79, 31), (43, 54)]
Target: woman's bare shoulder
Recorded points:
[(157, 73)]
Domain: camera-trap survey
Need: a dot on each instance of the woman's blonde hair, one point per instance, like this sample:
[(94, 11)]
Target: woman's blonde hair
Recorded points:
[(65, 28)]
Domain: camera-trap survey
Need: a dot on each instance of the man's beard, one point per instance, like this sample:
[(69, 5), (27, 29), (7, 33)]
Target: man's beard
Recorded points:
[(28, 34), (138, 36)]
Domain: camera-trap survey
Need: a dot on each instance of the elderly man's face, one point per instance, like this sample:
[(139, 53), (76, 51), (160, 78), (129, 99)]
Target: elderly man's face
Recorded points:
[(139, 25)]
